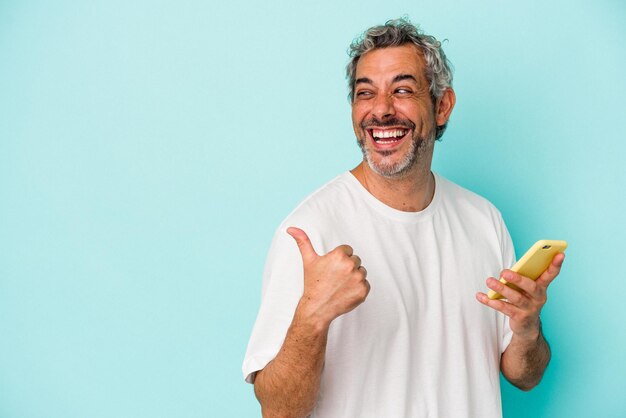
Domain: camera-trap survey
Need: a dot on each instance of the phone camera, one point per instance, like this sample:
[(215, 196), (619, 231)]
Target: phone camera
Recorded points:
[(546, 247)]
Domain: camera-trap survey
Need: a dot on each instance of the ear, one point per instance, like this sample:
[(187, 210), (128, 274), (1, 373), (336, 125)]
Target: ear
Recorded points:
[(444, 106)]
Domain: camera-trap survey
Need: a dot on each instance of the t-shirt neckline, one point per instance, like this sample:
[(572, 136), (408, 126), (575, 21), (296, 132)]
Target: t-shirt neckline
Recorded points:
[(393, 213)]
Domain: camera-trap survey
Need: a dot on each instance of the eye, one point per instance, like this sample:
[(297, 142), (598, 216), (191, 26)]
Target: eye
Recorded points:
[(403, 91), (364, 94)]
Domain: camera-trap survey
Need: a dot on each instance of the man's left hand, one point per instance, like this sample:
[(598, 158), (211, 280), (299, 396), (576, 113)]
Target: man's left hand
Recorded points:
[(523, 306)]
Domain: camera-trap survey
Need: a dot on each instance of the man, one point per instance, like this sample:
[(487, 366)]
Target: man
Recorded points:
[(417, 344)]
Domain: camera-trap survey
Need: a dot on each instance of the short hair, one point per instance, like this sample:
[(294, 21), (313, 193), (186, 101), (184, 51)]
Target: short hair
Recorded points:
[(398, 32)]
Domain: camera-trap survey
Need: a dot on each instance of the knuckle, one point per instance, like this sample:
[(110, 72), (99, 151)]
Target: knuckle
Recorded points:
[(541, 298), (340, 260), (344, 250), (364, 290), (516, 298), (350, 265), (344, 269), (354, 263), (495, 284)]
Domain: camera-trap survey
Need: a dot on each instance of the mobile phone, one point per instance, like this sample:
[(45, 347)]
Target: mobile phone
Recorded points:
[(534, 262)]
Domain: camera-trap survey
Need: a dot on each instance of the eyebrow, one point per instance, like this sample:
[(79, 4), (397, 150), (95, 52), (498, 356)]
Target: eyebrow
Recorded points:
[(396, 79), (401, 77)]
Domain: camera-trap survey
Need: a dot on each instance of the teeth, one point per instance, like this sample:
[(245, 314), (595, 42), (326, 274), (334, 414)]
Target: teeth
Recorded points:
[(379, 133)]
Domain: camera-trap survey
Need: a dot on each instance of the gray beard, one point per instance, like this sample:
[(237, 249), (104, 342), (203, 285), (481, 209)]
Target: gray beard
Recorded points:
[(399, 169)]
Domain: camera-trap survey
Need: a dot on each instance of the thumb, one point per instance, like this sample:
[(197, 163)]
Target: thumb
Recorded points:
[(304, 244)]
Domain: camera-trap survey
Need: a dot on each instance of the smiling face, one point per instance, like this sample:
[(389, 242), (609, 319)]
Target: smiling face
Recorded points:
[(393, 114)]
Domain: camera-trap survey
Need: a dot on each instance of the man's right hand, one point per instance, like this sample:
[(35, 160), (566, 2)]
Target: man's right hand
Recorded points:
[(334, 283)]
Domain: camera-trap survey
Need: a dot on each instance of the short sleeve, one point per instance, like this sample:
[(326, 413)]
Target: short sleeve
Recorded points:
[(282, 288), (508, 259)]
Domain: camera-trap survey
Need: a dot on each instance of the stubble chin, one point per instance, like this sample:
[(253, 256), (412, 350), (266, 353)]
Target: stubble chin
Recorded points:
[(387, 166)]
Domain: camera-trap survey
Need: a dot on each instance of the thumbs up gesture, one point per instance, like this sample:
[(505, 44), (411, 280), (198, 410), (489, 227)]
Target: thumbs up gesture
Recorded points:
[(334, 283)]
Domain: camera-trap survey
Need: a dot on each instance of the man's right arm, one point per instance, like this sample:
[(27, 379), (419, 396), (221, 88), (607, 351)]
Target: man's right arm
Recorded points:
[(334, 284), (288, 386)]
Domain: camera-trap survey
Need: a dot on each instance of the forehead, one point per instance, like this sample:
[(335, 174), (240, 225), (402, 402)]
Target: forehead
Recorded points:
[(388, 62)]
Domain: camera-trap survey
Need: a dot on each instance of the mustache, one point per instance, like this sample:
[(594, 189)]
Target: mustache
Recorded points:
[(377, 123)]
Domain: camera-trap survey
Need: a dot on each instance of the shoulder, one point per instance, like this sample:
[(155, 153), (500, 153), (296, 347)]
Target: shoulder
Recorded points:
[(458, 198), (322, 213), (479, 217), (326, 202)]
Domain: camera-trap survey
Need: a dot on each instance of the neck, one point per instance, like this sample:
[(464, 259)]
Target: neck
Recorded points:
[(410, 193)]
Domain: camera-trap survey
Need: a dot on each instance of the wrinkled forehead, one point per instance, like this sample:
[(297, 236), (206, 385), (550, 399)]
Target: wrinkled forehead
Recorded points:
[(385, 64)]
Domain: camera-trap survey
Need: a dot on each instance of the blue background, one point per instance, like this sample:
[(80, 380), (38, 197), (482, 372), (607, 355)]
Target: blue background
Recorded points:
[(149, 149)]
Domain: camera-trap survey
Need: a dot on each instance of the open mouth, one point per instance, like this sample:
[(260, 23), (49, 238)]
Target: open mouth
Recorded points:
[(388, 136)]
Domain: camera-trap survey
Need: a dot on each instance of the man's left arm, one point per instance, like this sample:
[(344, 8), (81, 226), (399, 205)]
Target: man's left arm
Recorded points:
[(525, 359)]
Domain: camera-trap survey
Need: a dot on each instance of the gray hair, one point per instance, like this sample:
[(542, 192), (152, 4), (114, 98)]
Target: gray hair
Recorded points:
[(398, 32)]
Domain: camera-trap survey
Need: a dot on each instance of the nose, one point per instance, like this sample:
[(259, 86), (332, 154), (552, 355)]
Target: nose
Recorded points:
[(383, 106)]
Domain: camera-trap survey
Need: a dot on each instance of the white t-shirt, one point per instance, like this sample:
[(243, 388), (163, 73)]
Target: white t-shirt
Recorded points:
[(420, 345)]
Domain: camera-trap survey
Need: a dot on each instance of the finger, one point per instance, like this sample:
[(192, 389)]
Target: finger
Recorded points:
[(514, 296), (367, 284), (552, 271), (345, 249), (498, 305), (528, 286), (304, 244), (363, 270)]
